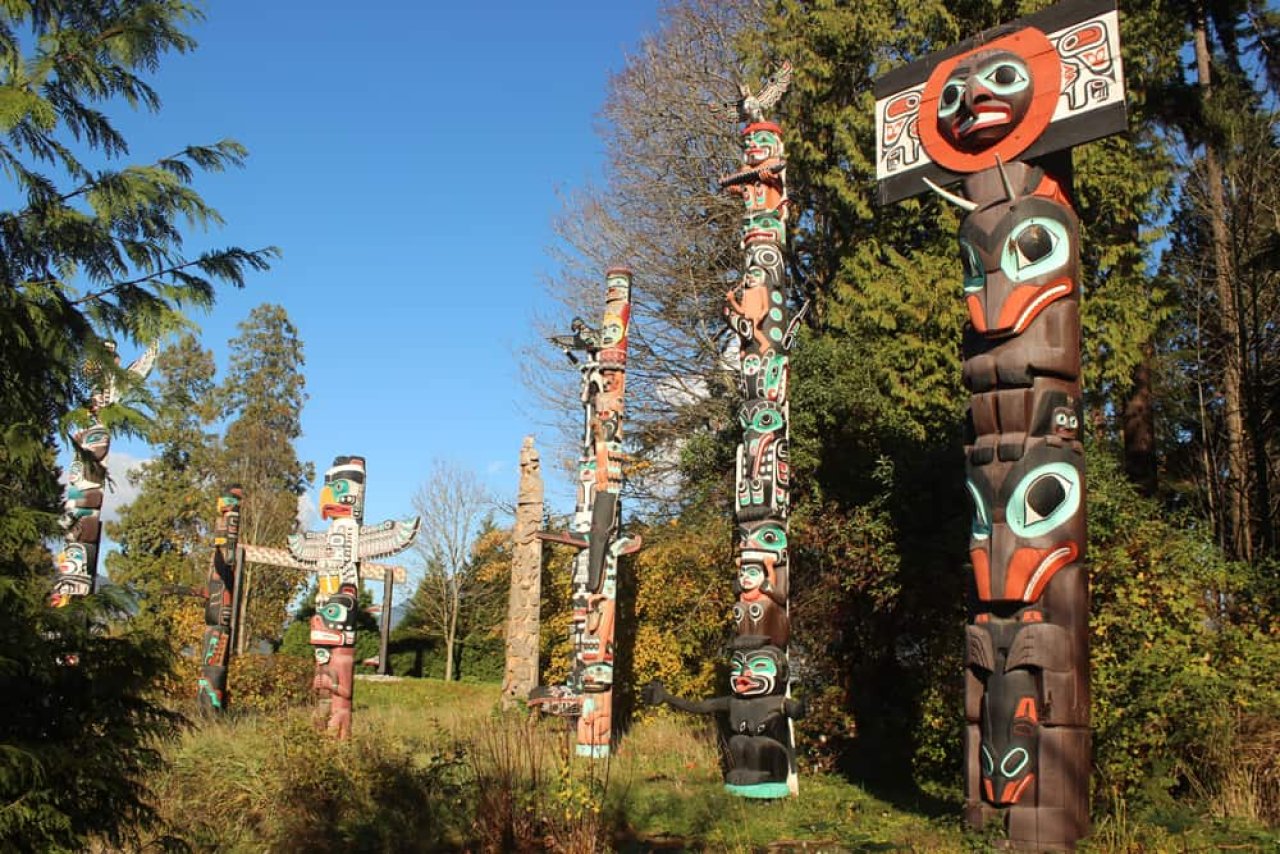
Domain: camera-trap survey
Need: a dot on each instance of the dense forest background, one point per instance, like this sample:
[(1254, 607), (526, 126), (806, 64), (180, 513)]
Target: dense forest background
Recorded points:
[(1181, 251)]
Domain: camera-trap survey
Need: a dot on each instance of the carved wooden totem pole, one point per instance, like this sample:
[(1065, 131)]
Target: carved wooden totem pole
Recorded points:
[(78, 561), (999, 113), (597, 520), (336, 555), (215, 646), (759, 708), (521, 676)]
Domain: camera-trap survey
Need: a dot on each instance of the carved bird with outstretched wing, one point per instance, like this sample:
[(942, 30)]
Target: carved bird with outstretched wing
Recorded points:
[(750, 108)]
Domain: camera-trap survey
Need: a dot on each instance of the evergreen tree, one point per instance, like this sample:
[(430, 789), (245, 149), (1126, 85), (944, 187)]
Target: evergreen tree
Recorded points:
[(163, 534), (88, 254), (262, 396)]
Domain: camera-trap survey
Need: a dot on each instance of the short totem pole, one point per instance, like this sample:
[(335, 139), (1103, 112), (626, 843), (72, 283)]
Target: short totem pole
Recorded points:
[(999, 113), (78, 561), (215, 646), (759, 708), (521, 674), (336, 555), (597, 520)]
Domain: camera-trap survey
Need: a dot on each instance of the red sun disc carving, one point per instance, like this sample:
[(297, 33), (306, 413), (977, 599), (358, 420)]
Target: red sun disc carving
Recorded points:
[(1042, 61)]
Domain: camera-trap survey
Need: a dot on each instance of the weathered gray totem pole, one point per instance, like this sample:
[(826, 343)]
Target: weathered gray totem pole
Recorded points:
[(759, 708), (215, 646), (336, 555), (77, 567), (597, 520), (525, 599), (999, 113)]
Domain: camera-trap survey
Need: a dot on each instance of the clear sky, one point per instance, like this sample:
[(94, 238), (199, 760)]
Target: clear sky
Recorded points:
[(406, 157)]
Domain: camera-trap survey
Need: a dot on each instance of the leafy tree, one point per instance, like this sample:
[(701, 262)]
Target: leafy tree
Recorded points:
[(262, 396), (453, 594), (92, 250)]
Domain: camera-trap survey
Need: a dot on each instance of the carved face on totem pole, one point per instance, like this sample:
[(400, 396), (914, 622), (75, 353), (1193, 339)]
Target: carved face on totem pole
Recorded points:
[(342, 495), (72, 577), (1019, 255), (1027, 525), (987, 96), (227, 532), (762, 561), (334, 623), (761, 143), (758, 672), (94, 441)]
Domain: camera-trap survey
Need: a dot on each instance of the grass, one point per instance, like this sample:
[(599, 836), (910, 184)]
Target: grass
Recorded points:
[(434, 766)]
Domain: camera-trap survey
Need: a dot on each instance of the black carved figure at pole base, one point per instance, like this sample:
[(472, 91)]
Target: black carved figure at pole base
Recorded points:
[(758, 714)]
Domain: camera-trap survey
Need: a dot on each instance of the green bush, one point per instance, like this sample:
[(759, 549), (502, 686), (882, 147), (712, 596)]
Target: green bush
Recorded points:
[(269, 683)]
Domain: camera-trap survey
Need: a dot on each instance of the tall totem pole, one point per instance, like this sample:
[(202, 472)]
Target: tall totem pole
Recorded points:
[(596, 529), (78, 561), (759, 708), (215, 646), (999, 114), (525, 598), (336, 554)]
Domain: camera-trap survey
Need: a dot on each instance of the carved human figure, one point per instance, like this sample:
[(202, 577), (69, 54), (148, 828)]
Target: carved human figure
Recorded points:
[(757, 713), (220, 590)]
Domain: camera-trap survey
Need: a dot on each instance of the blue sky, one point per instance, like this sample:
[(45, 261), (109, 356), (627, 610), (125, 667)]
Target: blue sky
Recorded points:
[(406, 160)]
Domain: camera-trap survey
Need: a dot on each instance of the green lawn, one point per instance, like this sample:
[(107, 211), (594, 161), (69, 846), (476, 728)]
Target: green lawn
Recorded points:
[(434, 766)]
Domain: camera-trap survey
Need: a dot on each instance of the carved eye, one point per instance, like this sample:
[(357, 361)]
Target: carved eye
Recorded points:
[(952, 95), (1014, 761), (737, 613), (1036, 246), (755, 610), (771, 537), (981, 527), (1006, 79), (975, 275), (988, 762), (1045, 498)]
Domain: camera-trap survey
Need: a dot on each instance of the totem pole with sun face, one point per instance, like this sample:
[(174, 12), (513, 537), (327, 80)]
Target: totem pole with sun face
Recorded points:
[(759, 708), (336, 555), (999, 114), (215, 646)]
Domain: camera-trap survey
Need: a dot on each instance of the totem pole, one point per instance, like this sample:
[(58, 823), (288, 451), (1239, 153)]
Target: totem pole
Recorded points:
[(336, 555), (759, 708), (78, 561), (215, 646), (597, 520), (999, 113), (521, 675)]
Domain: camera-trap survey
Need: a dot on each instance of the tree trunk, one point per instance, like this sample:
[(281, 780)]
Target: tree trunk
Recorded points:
[(1236, 493), (1139, 426)]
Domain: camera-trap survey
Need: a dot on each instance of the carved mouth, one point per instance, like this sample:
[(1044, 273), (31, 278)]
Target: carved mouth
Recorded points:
[(982, 116)]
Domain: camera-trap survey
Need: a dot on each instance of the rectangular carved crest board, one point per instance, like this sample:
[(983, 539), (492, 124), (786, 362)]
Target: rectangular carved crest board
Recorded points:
[(1087, 104)]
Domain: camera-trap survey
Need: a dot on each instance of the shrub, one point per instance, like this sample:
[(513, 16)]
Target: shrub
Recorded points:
[(269, 683)]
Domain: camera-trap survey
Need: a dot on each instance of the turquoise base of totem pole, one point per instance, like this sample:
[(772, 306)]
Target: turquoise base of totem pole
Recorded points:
[(760, 791), (593, 751)]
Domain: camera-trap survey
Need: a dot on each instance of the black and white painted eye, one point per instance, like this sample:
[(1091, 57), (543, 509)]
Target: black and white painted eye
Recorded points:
[(952, 95), (755, 611), (1014, 761), (738, 613), (1006, 79), (1036, 246), (1045, 498), (1061, 420)]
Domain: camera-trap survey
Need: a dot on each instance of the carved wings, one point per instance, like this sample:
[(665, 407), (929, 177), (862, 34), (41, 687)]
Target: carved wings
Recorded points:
[(774, 89), (307, 548), (388, 538), (138, 368), (282, 558)]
